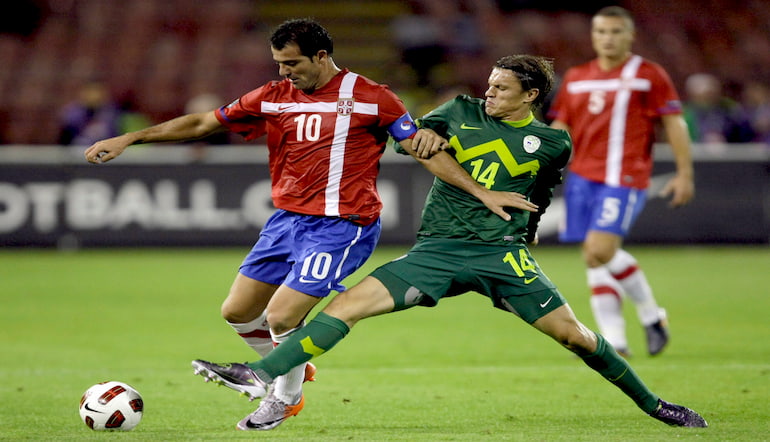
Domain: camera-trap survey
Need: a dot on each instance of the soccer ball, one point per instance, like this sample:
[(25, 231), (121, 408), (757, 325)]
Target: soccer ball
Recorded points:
[(111, 406)]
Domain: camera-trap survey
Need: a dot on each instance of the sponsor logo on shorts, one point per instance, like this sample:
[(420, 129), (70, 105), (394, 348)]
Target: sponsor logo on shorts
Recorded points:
[(544, 304)]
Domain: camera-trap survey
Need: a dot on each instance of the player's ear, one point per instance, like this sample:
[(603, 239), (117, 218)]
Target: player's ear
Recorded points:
[(532, 95), (321, 55)]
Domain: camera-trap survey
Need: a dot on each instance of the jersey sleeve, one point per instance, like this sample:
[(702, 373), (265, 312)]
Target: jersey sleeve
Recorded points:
[(243, 117), (665, 99), (394, 116), (438, 119)]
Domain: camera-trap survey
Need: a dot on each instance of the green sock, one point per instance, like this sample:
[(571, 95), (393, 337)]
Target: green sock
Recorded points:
[(616, 370), (317, 337)]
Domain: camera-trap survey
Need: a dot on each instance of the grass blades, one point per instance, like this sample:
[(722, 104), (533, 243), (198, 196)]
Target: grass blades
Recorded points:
[(460, 371)]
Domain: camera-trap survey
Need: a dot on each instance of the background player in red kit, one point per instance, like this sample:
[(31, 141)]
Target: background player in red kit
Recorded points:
[(326, 130), (610, 106)]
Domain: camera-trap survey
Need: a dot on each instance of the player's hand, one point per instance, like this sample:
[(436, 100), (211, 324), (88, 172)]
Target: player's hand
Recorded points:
[(497, 201), (427, 143), (105, 150), (680, 188)]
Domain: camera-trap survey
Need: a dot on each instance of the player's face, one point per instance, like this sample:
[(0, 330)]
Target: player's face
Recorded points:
[(303, 72), (612, 37), (505, 98)]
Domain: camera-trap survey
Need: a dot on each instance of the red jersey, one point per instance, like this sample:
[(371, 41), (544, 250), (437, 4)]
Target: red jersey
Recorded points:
[(324, 147), (612, 115)]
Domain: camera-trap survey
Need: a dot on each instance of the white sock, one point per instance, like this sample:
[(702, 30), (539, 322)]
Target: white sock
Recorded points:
[(607, 306), (625, 269), (288, 387), (256, 334)]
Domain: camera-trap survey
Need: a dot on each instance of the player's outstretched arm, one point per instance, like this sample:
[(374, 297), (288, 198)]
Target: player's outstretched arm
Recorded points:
[(187, 127), (442, 165)]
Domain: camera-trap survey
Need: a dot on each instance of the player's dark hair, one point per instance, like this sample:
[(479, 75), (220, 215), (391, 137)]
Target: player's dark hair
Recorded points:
[(532, 71), (306, 33), (616, 11)]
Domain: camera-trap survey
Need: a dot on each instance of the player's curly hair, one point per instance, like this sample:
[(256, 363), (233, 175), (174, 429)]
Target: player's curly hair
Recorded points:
[(534, 72), (306, 33)]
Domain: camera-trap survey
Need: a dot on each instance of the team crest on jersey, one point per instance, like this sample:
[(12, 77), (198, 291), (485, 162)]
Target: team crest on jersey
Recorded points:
[(345, 106), (531, 143)]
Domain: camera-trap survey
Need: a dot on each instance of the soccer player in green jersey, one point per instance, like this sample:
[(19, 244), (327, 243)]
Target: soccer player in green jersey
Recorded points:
[(462, 246)]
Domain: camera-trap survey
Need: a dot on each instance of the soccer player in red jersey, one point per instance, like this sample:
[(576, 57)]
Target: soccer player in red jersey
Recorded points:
[(326, 131), (610, 106)]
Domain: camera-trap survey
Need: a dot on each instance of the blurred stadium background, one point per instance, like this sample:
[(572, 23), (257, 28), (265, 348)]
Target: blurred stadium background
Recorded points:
[(161, 53), (159, 58)]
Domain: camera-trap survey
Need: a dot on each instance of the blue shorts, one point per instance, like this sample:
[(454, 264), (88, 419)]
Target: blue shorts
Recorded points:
[(311, 254), (597, 206)]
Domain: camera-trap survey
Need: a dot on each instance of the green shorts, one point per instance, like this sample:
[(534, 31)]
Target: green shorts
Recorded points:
[(438, 268)]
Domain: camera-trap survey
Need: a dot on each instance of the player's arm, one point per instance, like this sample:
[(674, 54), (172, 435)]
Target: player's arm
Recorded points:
[(187, 127), (413, 142), (541, 195), (681, 187), (447, 169)]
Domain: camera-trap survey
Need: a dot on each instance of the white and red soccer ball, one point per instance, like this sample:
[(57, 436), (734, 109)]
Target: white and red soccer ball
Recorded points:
[(111, 406)]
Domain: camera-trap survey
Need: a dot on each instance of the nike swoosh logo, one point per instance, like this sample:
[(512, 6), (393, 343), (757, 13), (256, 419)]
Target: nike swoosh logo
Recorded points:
[(546, 302), (528, 280), (249, 424), (91, 409), (465, 126), (307, 281)]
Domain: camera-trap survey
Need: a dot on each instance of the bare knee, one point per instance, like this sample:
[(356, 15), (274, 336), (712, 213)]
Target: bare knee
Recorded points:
[(599, 248), (282, 321), (577, 339), (238, 313), (597, 255), (246, 300), (562, 326)]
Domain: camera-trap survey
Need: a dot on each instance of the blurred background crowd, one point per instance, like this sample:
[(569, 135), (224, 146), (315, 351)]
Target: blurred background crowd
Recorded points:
[(75, 71)]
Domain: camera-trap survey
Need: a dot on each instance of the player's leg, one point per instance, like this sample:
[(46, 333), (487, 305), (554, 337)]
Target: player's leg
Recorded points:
[(562, 325), (326, 251), (583, 204), (368, 298), (390, 287), (244, 311), (626, 270), (260, 274), (614, 213), (606, 291), (612, 220), (286, 314)]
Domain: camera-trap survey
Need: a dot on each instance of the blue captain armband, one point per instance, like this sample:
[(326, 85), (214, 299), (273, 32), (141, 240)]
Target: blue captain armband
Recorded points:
[(402, 128)]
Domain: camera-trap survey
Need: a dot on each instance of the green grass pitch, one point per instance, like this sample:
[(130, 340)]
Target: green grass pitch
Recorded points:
[(461, 371)]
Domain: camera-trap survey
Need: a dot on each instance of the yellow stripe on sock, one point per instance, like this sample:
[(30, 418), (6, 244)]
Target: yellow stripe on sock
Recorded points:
[(310, 348)]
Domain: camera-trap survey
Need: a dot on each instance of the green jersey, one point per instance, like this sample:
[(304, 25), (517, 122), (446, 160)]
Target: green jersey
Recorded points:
[(524, 156)]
